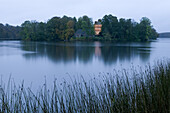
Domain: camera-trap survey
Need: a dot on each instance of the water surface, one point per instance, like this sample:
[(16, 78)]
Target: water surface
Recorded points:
[(32, 61)]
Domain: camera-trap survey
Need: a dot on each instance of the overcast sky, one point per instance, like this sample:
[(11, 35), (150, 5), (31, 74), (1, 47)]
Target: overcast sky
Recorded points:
[(15, 12)]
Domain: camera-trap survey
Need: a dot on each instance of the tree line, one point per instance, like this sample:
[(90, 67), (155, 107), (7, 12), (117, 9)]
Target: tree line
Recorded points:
[(56, 29), (127, 29), (9, 32), (64, 28)]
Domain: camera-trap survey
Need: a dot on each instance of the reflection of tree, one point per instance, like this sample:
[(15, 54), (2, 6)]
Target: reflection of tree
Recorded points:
[(84, 52), (144, 55), (58, 52), (122, 52)]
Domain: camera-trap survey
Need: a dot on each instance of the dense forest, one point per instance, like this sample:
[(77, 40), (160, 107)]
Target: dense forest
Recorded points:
[(56, 29), (9, 32), (64, 29), (127, 29)]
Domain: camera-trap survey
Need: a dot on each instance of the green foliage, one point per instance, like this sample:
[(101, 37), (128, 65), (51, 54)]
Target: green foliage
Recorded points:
[(30, 30), (55, 29), (9, 32), (86, 24), (128, 30), (63, 29), (110, 26), (69, 33)]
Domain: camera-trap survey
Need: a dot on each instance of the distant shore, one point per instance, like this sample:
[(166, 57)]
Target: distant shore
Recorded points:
[(164, 35)]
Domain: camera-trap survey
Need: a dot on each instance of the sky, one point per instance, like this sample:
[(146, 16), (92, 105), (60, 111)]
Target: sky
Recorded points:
[(15, 12)]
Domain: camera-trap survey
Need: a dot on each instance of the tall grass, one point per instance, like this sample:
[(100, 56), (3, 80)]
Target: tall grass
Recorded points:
[(137, 91)]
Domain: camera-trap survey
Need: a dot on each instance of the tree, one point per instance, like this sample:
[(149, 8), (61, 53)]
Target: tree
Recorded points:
[(126, 29), (145, 29), (7, 31), (52, 29), (110, 26), (86, 24), (69, 32), (26, 30), (56, 29), (70, 24)]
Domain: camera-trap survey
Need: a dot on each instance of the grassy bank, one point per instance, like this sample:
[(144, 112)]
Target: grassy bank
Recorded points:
[(136, 91)]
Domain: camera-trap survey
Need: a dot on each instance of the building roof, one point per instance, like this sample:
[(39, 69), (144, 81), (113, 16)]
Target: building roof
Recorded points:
[(97, 23), (80, 32)]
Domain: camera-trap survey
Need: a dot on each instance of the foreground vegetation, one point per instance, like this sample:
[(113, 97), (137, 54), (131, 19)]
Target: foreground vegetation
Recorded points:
[(136, 91)]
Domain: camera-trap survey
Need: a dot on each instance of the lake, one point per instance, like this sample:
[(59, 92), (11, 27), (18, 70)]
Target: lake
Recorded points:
[(35, 61)]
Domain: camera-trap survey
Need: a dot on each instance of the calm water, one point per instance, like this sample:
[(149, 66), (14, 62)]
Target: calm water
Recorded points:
[(32, 61)]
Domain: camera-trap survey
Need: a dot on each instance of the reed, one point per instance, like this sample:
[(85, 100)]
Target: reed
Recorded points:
[(135, 91)]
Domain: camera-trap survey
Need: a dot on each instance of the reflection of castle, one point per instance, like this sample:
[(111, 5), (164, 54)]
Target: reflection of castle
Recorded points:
[(97, 27), (97, 49)]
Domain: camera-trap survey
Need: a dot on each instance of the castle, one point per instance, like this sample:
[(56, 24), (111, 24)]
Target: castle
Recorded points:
[(97, 27)]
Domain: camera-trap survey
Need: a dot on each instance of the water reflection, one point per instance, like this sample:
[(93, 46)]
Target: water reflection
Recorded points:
[(85, 52), (31, 61)]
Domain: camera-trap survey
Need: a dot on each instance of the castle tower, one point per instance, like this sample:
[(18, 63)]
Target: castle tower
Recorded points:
[(97, 27)]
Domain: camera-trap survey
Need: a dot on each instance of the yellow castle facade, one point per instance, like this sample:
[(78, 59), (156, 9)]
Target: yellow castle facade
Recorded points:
[(97, 28)]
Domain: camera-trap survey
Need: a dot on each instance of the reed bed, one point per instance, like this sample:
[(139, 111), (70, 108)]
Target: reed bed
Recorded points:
[(135, 91)]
